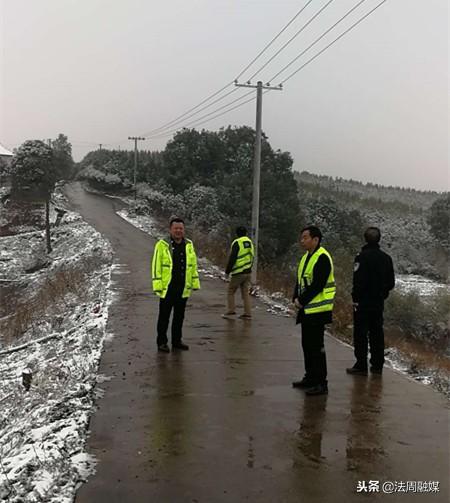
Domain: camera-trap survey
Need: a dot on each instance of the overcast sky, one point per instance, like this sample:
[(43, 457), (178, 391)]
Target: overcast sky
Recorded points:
[(373, 107)]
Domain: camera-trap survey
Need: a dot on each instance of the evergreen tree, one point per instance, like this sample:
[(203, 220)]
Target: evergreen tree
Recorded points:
[(34, 176)]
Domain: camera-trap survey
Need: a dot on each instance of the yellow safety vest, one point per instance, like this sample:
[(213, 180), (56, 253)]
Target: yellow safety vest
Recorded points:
[(245, 256), (324, 300), (162, 269)]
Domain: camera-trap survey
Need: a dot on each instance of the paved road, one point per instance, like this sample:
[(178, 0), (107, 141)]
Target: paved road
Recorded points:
[(221, 423)]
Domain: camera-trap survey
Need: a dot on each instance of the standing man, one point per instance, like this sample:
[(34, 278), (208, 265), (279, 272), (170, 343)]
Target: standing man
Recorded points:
[(314, 296), (174, 275), (239, 266), (373, 279)]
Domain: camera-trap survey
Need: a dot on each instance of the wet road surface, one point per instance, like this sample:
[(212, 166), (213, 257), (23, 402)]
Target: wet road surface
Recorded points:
[(221, 422)]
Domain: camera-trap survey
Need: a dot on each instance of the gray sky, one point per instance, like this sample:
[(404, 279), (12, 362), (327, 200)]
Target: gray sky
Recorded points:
[(373, 107)]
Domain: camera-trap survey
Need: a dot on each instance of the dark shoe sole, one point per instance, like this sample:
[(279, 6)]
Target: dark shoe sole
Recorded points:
[(164, 350), (301, 385), (356, 372), (316, 392)]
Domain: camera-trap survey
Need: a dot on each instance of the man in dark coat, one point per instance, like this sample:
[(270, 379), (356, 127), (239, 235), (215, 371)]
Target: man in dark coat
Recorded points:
[(373, 279)]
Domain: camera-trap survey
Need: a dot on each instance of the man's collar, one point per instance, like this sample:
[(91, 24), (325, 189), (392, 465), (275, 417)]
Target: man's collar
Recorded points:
[(314, 251)]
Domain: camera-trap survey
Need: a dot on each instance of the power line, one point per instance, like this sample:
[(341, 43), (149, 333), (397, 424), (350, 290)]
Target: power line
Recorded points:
[(190, 110), (292, 38), (317, 39), (183, 116), (273, 40), (334, 41), (161, 129), (213, 112), (160, 132), (168, 133)]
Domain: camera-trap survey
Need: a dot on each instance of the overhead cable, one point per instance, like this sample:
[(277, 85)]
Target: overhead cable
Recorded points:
[(334, 41), (196, 123), (273, 40), (291, 39), (193, 109), (317, 40)]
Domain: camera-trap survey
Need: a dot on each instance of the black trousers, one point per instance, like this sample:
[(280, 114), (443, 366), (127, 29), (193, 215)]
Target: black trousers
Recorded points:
[(314, 351), (173, 300), (368, 330)]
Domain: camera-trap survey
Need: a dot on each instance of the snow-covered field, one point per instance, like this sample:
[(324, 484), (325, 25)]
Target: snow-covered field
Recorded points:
[(43, 430)]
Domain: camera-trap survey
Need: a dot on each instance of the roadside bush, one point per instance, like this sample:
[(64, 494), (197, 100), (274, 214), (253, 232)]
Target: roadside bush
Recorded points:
[(426, 320), (103, 181), (202, 207)]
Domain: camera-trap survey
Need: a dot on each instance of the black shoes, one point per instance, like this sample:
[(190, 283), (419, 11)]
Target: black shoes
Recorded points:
[(163, 348), (319, 389), (356, 371), (303, 384), (180, 346), (310, 388)]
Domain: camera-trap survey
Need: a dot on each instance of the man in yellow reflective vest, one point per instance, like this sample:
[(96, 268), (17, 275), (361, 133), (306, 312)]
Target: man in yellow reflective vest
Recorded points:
[(239, 267), (174, 277), (314, 296)]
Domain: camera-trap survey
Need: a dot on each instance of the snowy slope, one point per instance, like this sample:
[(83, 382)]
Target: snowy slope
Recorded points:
[(43, 430)]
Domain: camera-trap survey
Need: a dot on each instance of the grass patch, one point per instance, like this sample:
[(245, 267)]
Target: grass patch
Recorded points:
[(59, 290)]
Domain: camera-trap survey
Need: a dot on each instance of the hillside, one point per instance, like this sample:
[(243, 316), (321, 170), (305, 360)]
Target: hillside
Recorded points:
[(400, 213)]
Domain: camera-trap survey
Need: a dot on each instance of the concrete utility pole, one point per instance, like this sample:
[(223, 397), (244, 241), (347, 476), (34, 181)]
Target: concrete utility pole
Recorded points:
[(136, 139), (257, 167)]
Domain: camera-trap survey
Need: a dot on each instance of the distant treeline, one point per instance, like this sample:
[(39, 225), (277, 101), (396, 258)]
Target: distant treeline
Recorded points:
[(207, 177)]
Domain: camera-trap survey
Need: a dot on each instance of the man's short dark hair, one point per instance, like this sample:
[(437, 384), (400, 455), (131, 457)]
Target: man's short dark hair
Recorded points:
[(372, 235), (176, 220), (314, 231), (241, 231)]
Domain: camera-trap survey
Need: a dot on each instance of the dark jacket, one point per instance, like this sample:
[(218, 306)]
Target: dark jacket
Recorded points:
[(232, 260), (321, 272), (179, 266), (373, 277)]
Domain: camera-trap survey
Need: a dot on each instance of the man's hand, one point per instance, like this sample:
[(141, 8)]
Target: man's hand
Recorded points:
[(297, 304)]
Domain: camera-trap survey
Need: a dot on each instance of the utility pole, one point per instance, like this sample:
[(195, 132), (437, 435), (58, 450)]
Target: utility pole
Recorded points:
[(136, 139), (257, 168)]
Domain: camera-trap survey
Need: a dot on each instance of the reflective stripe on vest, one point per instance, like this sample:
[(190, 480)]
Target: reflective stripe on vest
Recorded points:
[(322, 302), (245, 256)]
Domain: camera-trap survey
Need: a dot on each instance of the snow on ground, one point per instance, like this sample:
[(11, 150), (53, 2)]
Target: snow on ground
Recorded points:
[(43, 430), (412, 283)]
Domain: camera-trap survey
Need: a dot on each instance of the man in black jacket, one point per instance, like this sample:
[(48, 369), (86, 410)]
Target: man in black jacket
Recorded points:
[(373, 279)]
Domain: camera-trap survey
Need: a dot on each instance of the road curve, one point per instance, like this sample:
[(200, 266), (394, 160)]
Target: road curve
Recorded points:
[(221, 423)]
